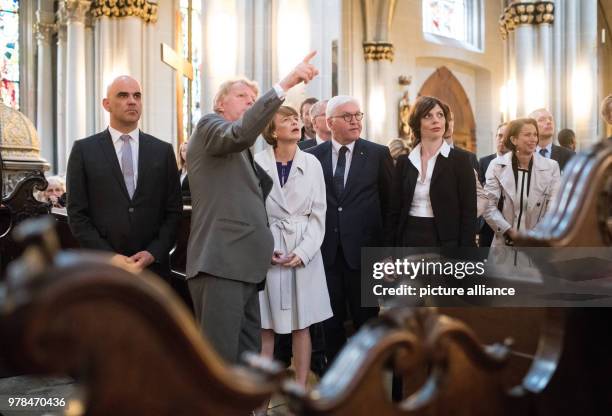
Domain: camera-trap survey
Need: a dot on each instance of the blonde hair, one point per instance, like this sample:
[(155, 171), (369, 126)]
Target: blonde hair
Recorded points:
[(225, 88), (398, 147)]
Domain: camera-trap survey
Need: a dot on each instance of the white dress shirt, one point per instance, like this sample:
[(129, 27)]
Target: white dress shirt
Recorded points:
[(548, 148), (118, 143), (280, 92), (319, 140), (421, 203), (183, 176), (349, 156)]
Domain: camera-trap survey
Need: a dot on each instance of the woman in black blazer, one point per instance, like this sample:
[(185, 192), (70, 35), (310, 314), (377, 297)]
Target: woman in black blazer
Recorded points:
[(434, 188)]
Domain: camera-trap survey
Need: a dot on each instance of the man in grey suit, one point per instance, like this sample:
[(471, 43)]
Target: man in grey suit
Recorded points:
[(230, 245)]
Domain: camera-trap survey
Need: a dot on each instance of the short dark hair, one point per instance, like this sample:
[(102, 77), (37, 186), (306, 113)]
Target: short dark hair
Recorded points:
[(566, 137), (268, 131), (309, 100), (515, 127), (421, 107)]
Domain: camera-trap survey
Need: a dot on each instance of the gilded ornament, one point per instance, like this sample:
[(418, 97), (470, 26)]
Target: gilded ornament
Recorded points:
[(522, 13), (144, 9), (378, 51)]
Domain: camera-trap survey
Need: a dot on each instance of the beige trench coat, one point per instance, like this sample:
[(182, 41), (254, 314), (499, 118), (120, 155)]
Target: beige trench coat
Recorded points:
[(295, 298), (545, 180)]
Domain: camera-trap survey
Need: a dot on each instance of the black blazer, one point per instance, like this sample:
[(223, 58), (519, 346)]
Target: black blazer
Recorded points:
[(471, 157), (185, 191), (483, 165), (305, 144), (452, 194), (355, 218), (561, 154), (100, 212)]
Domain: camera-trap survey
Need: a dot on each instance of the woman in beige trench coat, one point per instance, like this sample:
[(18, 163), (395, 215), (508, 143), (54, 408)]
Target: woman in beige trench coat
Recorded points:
[(295, 295)]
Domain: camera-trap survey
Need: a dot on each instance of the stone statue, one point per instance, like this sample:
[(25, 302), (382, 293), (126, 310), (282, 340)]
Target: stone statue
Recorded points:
[(404, 114)]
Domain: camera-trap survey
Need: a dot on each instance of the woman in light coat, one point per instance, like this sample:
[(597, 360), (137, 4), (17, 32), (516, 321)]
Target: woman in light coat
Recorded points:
[(295, 295), (526, 182)]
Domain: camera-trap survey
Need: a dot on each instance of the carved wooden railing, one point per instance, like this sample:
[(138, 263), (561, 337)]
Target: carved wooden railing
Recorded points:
[(126, 338), (18, 206)]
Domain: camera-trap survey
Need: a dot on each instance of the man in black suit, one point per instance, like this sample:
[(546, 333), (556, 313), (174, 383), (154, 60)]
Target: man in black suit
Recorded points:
[(319, 125), (448, 138), (486, 233), (123, 187), (500, 149), (546, 130), (358, 181)]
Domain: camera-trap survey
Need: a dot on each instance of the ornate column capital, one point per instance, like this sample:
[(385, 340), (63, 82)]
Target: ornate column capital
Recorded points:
[(378, 51), (74, 10), (44, 28), (145, 9), (526, 13), (44, 31)]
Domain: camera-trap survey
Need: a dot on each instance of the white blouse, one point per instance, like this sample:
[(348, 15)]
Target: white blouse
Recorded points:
[(421, 203)]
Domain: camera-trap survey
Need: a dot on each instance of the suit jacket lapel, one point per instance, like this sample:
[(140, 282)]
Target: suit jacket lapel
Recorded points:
[(358, 160), (506, 179), (108, 149), (440, 168), (326, 164), (268, 165)]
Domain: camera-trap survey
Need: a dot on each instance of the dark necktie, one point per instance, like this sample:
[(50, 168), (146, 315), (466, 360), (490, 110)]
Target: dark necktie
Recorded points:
[(339, 173), (543, 151)]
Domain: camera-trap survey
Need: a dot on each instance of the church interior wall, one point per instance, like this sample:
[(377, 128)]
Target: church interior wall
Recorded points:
[(480, 72), (351, 70), (325, 29), (158, 78)]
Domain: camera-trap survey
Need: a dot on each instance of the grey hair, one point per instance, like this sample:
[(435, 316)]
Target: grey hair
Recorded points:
[(607, 115), (338, 101), (317, 108), (534, 113)]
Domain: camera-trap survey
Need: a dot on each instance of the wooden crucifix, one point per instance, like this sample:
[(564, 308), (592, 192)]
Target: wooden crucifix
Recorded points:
[(183, 68)]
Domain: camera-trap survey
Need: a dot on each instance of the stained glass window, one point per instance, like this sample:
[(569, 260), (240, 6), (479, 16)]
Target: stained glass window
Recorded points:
[(192, 50), (446, 18), (9, 52)]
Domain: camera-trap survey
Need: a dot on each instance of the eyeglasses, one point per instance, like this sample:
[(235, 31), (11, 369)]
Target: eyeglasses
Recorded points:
[(348, 117)]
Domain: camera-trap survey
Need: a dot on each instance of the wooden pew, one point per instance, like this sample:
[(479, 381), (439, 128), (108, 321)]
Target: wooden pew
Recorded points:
[(152, 357), (126, 338), (18, 206)]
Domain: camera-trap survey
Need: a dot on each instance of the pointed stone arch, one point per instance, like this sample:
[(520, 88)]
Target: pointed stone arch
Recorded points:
[(444, 85)]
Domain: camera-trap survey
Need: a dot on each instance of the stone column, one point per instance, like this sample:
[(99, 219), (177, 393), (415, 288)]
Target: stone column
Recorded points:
[(378, 54), (586, 110), (76, 64), (60, 149), (527, 27), (122, 46), (545, 58), (558, 96), (45, 28), (526, 70)]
